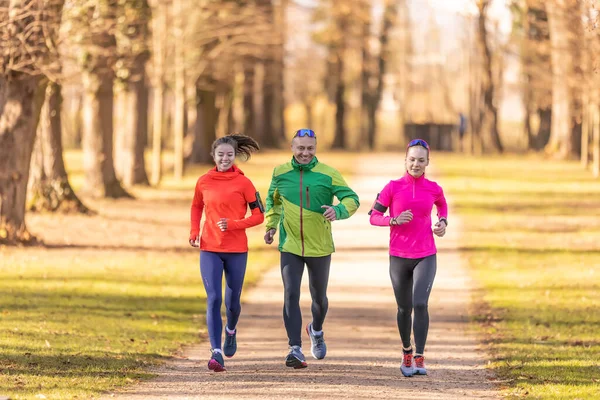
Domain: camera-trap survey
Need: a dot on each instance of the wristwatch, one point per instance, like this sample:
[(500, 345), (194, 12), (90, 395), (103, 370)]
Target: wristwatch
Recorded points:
[(444, 219)]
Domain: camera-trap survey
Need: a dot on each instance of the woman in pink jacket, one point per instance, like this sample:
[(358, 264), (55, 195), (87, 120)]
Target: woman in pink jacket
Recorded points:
[(410, 201)]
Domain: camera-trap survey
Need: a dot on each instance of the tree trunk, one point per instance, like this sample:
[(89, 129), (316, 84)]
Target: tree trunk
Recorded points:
[(205, 127), (565, 128), (49, 188), (489, 125), (596, 140), (98, 164), (159, 32), (389, 21), (279, 125), (21, 99), (585, 133), (339, 140), (404, 68), (132, 132), (259, 128), (308, 107), (178, 119), (249, 98), (365, 74), (543, 134), (230, 117), (537, 68), (527, 106), (270, 138), (224, 103)]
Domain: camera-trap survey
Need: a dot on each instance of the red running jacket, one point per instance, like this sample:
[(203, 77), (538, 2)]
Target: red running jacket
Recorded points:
[(224, 195)]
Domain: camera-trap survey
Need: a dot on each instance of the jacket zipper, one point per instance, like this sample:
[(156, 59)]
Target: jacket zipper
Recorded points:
[(301, 225), (307, 198), (413, 188)]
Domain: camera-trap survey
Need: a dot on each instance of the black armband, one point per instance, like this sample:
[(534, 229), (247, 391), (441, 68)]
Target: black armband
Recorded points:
[(257, 203), (378, 206)]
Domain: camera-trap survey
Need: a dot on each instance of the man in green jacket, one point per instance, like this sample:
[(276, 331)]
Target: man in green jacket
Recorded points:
[(300, 205)]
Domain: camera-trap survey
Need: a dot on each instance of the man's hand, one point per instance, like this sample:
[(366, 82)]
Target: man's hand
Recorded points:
[(195, 242), (269, 236), (329, 213)]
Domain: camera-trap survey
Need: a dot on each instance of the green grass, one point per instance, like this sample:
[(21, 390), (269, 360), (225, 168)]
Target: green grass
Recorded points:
[(532, 240), (74, 323)]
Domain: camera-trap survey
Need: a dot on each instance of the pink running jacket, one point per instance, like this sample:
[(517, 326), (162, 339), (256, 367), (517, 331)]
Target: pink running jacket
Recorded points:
[(415, 238)]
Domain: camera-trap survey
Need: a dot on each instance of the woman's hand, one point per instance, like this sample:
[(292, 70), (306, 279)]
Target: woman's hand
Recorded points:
[(403, 218), (440, 228), (222, 224), (195, 242)]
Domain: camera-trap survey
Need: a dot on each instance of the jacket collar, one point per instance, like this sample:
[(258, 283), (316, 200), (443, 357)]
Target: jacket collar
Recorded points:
[(232, 173), (305, 167), (412, 179)]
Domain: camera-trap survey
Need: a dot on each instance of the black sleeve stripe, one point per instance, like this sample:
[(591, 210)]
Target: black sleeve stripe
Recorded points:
[(377, 206), (257, 203), (380, 207)]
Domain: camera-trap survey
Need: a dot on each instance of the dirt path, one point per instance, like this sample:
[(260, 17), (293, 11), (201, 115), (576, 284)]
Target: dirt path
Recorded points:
[(363, 343)]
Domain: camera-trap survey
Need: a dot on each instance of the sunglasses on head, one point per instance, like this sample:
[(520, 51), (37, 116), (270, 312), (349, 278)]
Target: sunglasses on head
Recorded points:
[(305, 132), (418, 142)]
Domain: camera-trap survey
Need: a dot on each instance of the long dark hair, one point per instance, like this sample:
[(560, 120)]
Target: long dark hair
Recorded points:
[(243, 145)]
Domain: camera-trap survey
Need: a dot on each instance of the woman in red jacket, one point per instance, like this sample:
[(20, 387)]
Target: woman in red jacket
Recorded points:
[(224, 194)]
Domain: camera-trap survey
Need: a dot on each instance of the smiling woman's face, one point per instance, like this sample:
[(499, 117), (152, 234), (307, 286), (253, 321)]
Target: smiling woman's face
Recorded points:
[(417, 160), (224, 157)]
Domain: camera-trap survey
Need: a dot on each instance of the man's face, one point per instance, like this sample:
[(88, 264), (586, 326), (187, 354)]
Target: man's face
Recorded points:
[(304, 149)]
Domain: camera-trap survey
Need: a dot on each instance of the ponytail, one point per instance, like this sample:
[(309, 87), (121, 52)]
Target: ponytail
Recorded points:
[(243, 145)]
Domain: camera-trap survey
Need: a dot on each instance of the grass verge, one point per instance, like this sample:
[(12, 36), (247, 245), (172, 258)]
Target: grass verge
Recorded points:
[(532, 239)]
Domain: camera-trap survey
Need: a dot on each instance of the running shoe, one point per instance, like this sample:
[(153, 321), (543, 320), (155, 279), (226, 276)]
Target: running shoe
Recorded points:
[(318, 348), (420, 366), (230, 345), (295, 359), (407, 367), (216, 362)]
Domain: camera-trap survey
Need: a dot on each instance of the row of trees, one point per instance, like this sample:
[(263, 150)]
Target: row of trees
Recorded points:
[(122, 76), (115, 58), (558, 43), (204, 68)]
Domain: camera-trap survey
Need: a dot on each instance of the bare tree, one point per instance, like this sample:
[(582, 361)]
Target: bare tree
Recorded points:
[(223, 34), (531, 21), (49, 188), (338, 53), (131, 133), (27, 56), (566, 30), (373, 92), (159, 40), (280, 21), (489, 122), (92, 26), (179, 87), (403, 50)]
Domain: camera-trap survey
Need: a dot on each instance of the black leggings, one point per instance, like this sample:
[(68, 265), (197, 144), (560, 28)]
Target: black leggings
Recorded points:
[(412, 280), (292, 269)]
